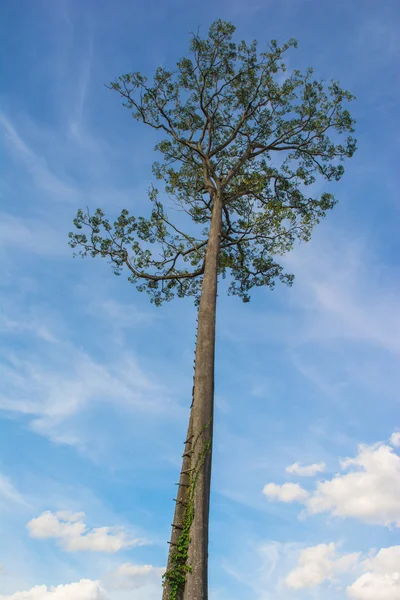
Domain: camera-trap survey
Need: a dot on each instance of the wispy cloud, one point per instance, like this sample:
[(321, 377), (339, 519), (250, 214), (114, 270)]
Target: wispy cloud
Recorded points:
[(54, 392), (37, 166), (33, 235), (262, 568), (82, 89), (71, 170), (345, 293), (9, 493)]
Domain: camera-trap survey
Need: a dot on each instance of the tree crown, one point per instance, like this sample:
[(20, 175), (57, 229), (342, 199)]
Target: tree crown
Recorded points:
[(234, 125)]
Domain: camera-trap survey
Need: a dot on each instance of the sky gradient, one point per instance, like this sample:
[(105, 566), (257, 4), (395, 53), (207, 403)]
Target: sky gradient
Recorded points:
[(95, 382)]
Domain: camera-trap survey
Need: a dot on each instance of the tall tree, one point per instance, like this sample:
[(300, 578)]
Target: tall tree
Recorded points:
[(242, 145)]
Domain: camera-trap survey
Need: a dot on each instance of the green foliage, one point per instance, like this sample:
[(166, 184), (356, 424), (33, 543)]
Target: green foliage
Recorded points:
[(236, 125), (175, 576), (159, 274)]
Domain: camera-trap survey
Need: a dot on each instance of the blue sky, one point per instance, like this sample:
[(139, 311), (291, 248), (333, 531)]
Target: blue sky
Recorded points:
[(96, 382)]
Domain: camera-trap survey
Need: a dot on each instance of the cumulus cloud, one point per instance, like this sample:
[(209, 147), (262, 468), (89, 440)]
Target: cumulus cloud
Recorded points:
[(73, 535), (288, 492), (369, 492), (114, 585), (368, 488), (129, 576), (381, 581), (306, 470), (395, 439), (317, 564), (80, 590)]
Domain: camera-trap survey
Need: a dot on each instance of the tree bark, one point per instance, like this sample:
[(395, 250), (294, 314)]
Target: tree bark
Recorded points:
[(202, 413), (179, 514), (198, 449)]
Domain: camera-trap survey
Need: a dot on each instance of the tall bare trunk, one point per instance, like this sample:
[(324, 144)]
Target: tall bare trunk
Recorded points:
[(195, 479), (196, 587)]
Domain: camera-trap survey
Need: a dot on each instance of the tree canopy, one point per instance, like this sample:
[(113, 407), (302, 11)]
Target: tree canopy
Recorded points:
[(233, 122)]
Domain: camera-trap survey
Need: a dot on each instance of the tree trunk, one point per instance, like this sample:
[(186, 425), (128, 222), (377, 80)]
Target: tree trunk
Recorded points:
[(180, 508), (196, 587), (195, 479)]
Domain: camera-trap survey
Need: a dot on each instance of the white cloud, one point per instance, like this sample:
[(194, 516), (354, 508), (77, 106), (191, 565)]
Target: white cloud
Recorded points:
[(369, 492), (102, 539), (317, 564), (395, 439), (59, 525), (306, 470), (368, 489), (386, 560), (80, 590), (373, 586), (288, 492), (381, 581), (73, 535), (129, 576)]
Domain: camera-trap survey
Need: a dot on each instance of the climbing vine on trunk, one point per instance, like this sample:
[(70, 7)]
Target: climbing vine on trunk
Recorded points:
[(175, 576)]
